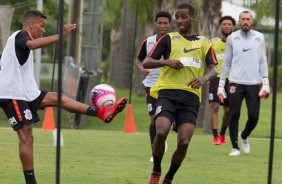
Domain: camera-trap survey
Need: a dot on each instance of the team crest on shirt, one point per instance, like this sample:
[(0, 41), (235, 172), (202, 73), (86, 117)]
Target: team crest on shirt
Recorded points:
[(211, 96), (27, 114), (158, 110), (150, 108), (232, 89), (257, 39), (175, 37)]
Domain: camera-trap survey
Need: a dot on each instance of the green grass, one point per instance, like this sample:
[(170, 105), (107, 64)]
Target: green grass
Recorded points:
[(108, 157), (102, 153)]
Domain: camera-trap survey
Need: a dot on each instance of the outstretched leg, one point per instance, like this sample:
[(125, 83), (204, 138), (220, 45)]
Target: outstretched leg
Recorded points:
[(106, 114)]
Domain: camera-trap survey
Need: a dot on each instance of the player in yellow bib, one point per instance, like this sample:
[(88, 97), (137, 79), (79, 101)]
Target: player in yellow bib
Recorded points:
[(178, 88), (226, 24)]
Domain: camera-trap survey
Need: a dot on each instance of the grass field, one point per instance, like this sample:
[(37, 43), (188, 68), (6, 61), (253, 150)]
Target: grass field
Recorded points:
[(110, 157), (100, 153)]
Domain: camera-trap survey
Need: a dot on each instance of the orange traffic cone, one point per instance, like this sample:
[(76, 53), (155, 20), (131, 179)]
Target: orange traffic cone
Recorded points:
[(48, 123), (129, 126)]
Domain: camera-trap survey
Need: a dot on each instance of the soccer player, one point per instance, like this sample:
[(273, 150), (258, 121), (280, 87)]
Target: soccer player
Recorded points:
[(20, 97), (226, 24), (178, 88), (245, 60), (162, 24)]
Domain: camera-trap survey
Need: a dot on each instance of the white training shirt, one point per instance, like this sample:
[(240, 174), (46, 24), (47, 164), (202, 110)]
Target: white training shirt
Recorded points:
[(152, 77), (245, 58), (16, 81)]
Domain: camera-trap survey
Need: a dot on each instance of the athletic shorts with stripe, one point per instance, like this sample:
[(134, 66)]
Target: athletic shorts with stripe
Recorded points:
[(178, 106), (20, 112), (213, 85), (151, 102)]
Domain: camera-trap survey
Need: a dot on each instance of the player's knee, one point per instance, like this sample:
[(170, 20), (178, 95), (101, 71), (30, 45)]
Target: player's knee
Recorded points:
[(253, 118), (183, 144), (161, 134)]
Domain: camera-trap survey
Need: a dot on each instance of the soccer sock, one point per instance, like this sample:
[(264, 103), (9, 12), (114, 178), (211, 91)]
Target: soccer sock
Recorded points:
[(152, 131), (172, 170), (93, 111), (223, 129), (29, 177), (215, 133), (157, 163)]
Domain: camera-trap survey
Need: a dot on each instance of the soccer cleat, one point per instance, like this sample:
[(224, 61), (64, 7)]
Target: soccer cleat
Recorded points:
[(234, 152), (245, 144), (167, 181), (216, 141), (108, 113), (154, 178), (222, 138)]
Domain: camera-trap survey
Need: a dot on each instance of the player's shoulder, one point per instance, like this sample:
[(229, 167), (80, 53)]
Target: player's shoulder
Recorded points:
[(203, 39), (257, 33), (22, 33), (173, 35), (216, 39)]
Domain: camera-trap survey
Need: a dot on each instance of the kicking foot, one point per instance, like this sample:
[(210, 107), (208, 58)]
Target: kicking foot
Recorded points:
[(108, 113)]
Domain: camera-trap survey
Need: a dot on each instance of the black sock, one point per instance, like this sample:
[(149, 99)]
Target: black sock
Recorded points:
[(215, 133), (157, 163), (172, 170), (92, 111), (29, 177), (152, 131), (223, 129), (235, 144)]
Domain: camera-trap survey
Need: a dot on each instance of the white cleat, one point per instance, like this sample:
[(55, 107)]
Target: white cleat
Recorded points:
[(245, 144), (234, 152)]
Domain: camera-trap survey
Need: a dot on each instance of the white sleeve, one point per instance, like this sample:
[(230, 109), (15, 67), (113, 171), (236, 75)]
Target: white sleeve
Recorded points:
[(263, 60)]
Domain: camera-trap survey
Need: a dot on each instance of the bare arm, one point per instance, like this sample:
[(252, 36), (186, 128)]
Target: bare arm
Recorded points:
[(149, 62), (144, 71), (44, 41)]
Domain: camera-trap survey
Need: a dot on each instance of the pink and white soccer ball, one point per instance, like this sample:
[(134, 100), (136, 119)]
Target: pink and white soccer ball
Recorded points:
[(102, 95)]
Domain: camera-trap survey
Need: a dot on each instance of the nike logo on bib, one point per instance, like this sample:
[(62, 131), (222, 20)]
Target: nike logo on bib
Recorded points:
[(244, 50), (189, 50)]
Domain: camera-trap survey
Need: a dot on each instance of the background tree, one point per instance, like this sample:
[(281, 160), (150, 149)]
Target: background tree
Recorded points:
[(210, 12)]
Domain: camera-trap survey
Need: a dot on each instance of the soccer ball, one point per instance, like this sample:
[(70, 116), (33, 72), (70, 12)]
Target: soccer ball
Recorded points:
[(102, 95)]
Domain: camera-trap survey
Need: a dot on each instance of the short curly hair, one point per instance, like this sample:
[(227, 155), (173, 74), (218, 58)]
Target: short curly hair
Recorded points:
[(227, 17)]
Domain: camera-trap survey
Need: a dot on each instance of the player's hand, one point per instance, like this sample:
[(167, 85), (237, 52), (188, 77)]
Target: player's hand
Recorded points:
[(68, 28), (144, 71), (177, 65), (221, 91), (196, 83), (265, 89)]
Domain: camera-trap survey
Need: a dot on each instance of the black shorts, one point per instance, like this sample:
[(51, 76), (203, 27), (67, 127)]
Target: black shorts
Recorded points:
[(20, 112), (151, 102), (178, 106), (213, 85)]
